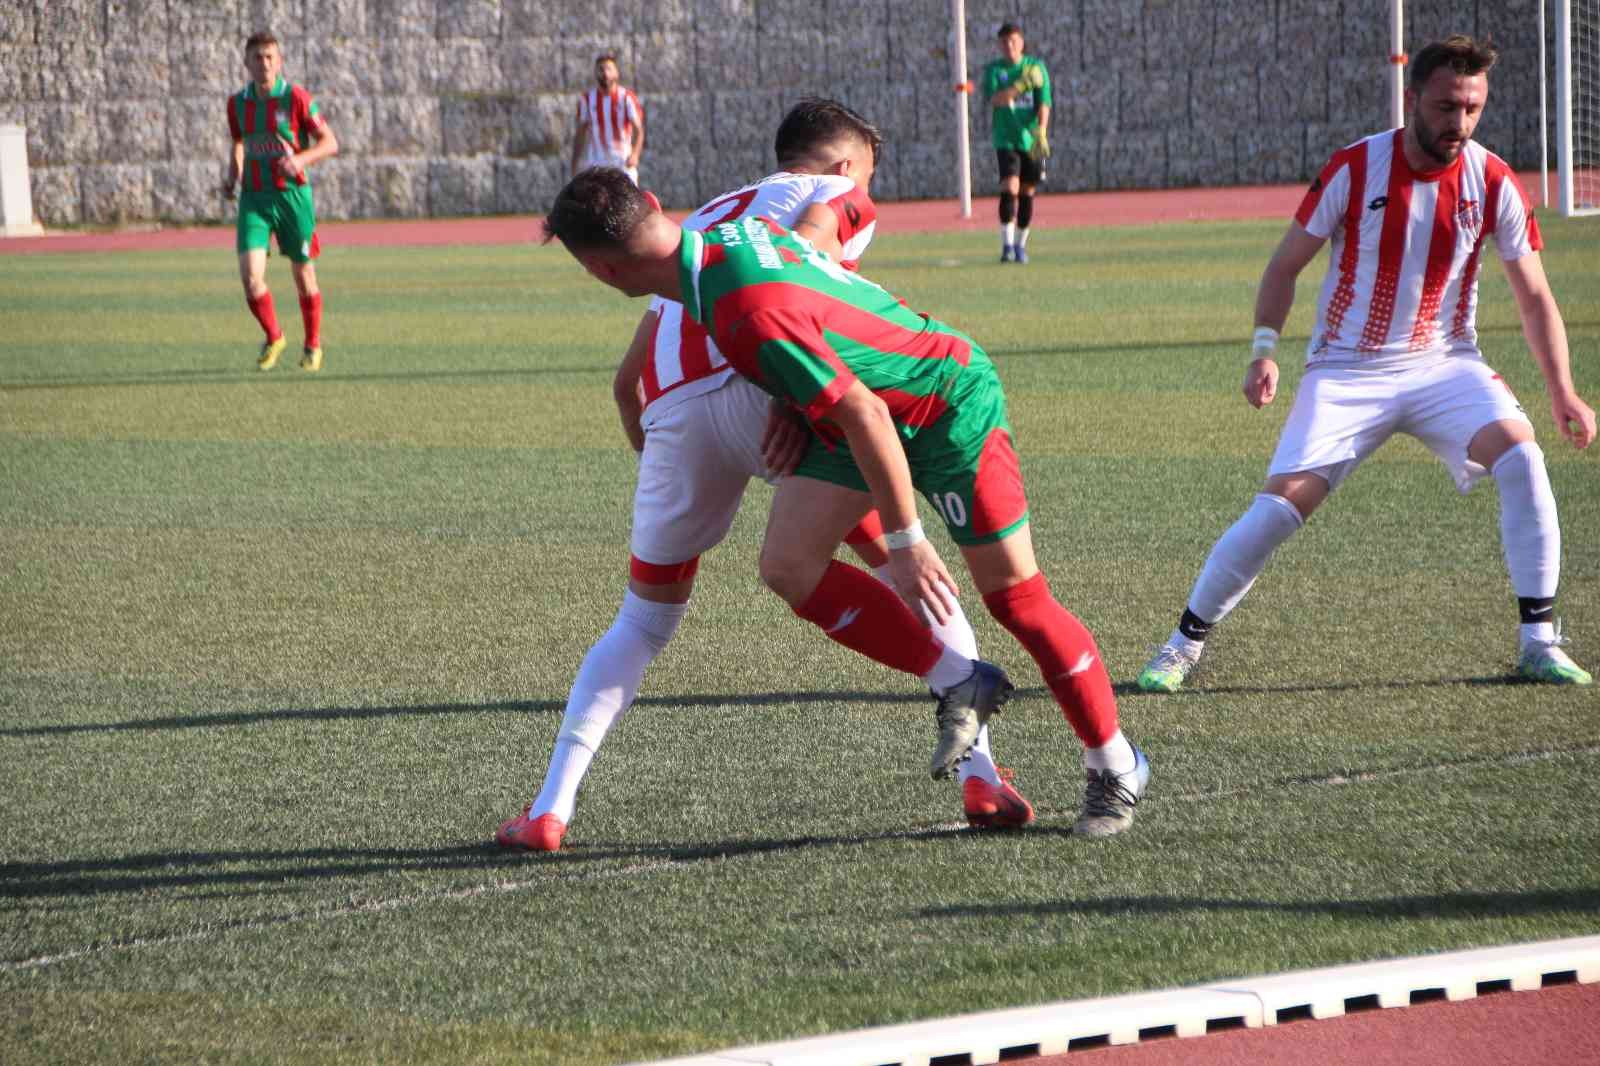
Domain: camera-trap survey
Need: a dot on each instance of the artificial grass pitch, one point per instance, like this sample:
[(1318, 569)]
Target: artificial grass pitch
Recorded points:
[(278, 651)]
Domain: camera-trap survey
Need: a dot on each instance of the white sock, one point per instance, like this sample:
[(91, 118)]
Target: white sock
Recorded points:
[(956, 633), (1115, 754), (1008, 233), (1022, 238), (1240, 554), (982, 762), (1179, 641), (1530, 533), (951, 669), (1536, 633), (605, 688)]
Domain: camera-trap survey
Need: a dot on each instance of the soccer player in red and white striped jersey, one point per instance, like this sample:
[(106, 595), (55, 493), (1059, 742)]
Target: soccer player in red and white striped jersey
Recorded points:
[(1410, 213), (610, 123), (702, 433)]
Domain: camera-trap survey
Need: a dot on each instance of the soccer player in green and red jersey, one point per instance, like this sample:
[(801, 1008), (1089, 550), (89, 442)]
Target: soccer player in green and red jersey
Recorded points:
[(899, 402), (278, 132)]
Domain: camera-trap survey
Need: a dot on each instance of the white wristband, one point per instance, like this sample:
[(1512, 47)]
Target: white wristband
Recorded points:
[(1265, 342), (906, 537)]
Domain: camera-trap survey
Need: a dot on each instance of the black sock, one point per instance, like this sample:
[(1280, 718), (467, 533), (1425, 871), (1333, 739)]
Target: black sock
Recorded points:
[(1536, 609), (1192, 627), (1008, 207), (1024, 210)]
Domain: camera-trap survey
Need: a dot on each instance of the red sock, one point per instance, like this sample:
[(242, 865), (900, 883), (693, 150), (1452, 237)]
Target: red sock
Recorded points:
[(862, 613), (867, 530), (261, 307), (1066, 655), (311, 315)]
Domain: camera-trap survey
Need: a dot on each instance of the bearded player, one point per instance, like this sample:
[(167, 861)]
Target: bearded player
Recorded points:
[(1411, 213)]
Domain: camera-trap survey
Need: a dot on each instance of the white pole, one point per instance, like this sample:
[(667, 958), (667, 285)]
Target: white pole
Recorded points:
[(1544, 117), (1397, 63), (1564, 105), (958, 66)]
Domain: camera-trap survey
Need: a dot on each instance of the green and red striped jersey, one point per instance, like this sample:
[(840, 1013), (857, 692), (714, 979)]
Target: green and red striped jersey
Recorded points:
[(802, 328), (278, 124)]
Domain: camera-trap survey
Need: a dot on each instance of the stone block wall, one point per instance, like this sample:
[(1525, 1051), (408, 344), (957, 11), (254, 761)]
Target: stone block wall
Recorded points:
[(464, 107)]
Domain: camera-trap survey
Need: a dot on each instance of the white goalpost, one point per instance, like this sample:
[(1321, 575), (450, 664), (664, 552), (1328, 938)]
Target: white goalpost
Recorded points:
[(1578, 106)]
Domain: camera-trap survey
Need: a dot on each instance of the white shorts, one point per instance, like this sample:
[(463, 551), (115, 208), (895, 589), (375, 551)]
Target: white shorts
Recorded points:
[(1342, 413), (698, 457)]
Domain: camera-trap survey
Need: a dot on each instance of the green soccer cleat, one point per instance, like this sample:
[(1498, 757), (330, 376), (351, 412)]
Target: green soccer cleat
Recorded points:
[(1544, 661), (311, 360), (1110, 798), (1166, 672), (963, 710), (270, 350)]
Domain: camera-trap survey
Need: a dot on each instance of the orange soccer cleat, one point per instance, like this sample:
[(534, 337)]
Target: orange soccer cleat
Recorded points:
[(543, 833), (991, 806)]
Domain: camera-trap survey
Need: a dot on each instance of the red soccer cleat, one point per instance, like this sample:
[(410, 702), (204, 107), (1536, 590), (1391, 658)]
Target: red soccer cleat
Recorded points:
[(995, 806), (543, 833)]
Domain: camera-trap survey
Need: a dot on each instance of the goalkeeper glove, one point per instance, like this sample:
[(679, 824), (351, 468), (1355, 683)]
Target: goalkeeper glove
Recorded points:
[(1041, 144)]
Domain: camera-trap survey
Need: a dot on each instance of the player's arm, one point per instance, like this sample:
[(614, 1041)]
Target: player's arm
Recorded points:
[(919, 574), (580, 138), (626, 388), (1546, 335), (230, 184), (1274, 298), (819, 224), (323, 145), (637, 137)]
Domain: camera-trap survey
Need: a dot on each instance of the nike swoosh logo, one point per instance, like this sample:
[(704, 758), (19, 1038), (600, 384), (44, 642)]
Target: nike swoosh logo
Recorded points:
[(850, 615), (1542, 610)]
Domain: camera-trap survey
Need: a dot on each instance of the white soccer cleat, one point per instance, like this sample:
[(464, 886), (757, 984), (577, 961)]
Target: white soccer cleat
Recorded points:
[(1167, 671)]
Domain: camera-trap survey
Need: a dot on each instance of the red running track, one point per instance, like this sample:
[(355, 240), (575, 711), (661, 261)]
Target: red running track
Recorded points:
[(924, 216)]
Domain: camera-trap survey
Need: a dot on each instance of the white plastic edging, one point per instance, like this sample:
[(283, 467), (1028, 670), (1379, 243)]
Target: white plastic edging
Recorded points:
[(1251, 1002)]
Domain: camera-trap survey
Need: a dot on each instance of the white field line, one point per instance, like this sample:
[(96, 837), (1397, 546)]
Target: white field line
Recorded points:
[(651, 866)]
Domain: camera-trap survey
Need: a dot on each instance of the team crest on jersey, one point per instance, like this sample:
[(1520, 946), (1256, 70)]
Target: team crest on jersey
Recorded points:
[(1469, 215)]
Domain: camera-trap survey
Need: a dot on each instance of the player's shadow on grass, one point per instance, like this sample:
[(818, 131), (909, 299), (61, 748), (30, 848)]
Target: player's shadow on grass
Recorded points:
[(231, 719), (228, 719), (241, 869), (1445, 905), (1200, 688)]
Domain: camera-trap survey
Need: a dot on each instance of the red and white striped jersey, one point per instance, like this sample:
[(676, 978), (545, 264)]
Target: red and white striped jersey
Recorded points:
[(683, 360), (610, 119), (1403, 266)]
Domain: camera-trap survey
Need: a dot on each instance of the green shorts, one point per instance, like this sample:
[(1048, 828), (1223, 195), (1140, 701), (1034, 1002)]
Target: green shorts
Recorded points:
[(288, 215), (964, 463)]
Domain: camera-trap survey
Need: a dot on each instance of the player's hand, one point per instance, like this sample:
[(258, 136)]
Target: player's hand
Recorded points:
[(289, 167), (1041, 144), (784, 441), (1261, 382), (229, 189), (1574, 418), (920, 578)]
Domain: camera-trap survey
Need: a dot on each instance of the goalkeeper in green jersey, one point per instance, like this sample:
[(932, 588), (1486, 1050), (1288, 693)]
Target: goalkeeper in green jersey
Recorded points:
[(1017, 86), (898, 402)]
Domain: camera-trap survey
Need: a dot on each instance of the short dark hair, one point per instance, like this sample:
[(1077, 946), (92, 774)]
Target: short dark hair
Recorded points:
[(1008, 28), (607, 58), (599, 208), (260, 39), (816, 122), (1459, 52)]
